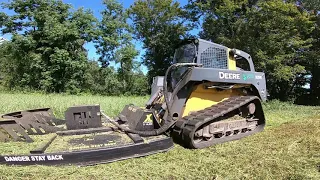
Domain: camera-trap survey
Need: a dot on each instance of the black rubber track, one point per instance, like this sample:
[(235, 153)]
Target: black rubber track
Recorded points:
[(185, 129)]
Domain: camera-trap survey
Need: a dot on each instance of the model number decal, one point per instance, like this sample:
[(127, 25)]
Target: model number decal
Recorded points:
[(33, 158), (223, 75), (258, 77)]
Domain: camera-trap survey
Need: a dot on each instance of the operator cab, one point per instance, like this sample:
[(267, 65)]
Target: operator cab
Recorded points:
[(186, 53), (212, 55)]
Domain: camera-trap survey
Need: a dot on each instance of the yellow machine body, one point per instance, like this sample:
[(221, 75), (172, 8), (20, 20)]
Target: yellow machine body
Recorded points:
[(202, 98), (231, 62)]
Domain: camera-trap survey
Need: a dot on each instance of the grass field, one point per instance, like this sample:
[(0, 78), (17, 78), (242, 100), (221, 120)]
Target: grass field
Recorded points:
[(289, 148)]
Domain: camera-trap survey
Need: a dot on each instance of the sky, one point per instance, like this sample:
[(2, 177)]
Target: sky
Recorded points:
[(96, 6)]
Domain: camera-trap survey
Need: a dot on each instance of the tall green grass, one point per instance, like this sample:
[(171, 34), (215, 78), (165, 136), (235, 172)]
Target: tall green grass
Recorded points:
[(277, 112), (59, 103), (289, 148)]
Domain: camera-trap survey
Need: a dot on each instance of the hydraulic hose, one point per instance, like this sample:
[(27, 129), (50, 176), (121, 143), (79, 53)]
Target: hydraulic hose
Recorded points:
[(168, 122)]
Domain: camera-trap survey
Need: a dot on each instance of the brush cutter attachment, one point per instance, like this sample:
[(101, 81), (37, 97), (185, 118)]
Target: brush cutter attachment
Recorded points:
[(83, 138)]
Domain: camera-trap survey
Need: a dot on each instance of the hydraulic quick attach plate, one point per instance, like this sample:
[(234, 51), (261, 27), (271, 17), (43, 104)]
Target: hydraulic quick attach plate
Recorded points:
[(138, 118)]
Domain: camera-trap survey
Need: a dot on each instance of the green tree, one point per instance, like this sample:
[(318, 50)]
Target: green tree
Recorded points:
[(311, 5), (313, 63), (113, 32), (223, 20), (102, 81), (140, 84), (159, 24), (4, 57), (114, 42), (274, 32), (125, 57), (106, 81), (46, 48), (283, 38)]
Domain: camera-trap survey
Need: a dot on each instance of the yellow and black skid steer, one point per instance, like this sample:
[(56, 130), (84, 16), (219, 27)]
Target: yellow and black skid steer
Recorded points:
[(210, 94)]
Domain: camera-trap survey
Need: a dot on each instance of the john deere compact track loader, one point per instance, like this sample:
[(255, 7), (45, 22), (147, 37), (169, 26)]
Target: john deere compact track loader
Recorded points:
[(211, 94), (204, 98)]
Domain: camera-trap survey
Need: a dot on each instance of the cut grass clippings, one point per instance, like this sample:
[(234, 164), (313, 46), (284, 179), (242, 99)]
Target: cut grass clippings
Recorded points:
[(289, 148)]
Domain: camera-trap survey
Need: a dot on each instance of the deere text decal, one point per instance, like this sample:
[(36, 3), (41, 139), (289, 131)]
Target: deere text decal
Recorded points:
[(223, 75)]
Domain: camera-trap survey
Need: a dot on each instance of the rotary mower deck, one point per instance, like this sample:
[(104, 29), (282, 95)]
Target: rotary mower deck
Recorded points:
[(84, 138)]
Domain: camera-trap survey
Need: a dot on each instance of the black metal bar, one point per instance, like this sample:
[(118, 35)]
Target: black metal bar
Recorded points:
[(135, 137), (7, 121), (20, 114), (43, 147), (86, 131)]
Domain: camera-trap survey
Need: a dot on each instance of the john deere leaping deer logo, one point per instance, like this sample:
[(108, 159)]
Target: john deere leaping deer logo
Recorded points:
[(247, 76)]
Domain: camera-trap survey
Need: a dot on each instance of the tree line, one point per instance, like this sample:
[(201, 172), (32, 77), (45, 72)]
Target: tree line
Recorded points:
[(46, 51)]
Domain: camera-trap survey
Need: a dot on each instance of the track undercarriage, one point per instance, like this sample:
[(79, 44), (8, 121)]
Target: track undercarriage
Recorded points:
[(216, 124)]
